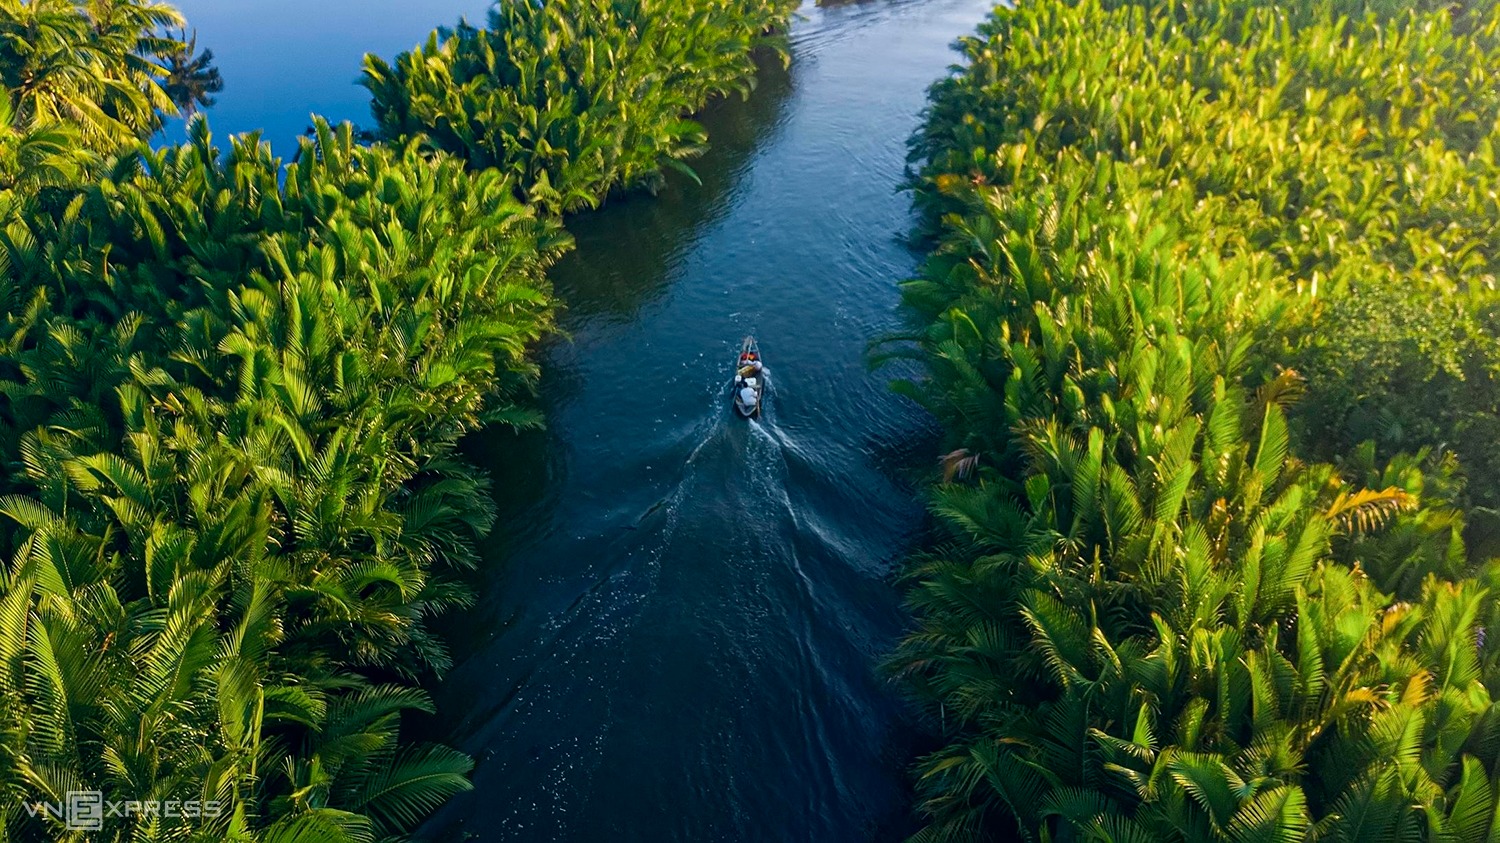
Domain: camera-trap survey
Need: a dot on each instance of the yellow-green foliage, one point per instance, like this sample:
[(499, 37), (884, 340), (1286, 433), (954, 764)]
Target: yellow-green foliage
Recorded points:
[(572, 98), (1154, 621), (82, 79), (230, 507), (231, 390), (1354, 153)]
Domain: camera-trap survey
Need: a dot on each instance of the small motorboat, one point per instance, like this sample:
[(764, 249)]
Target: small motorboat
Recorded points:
[(749, 380)]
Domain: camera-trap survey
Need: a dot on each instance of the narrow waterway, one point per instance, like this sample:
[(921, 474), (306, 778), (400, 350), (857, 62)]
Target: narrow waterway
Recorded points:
[(681, 616), (681, 613)]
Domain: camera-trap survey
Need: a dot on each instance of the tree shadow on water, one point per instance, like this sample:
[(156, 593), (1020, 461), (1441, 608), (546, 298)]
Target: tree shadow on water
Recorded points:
[(625, 255), (627, 250)]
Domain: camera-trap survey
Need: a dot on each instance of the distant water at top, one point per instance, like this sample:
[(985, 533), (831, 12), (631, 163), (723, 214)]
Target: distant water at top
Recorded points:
[(284, 60)]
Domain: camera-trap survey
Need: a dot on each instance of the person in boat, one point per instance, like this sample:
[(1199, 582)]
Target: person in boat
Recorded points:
[(750, 366)]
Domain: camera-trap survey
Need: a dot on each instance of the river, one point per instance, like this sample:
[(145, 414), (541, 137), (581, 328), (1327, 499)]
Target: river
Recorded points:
[(681, 613)]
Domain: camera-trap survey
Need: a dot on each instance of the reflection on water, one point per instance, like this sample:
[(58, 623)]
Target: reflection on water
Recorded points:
[(283, 60), (614, 270), (681, 611)]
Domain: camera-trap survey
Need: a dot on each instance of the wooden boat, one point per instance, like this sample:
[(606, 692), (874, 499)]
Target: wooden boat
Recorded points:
[(749, 380)]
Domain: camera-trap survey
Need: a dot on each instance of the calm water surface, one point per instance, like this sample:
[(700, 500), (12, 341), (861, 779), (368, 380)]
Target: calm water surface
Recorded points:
[(283, 60), (681, 613), (678, 635)]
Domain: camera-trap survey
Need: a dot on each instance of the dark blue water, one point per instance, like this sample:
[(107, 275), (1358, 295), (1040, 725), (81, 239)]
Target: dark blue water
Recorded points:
[(681, 612)]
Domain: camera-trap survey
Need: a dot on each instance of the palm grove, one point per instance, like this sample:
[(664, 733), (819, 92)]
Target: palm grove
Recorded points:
[(231, 386), (1210, 318)]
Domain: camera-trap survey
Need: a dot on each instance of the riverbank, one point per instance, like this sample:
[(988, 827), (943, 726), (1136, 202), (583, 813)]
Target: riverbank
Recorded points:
[(233, 390), (572, 99), (678, 637), (1161, 287)]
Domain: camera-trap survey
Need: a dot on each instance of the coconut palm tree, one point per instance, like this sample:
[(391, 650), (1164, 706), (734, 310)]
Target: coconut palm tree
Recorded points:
[(231, 390), (90, 65), (191, 78), (34, 156)]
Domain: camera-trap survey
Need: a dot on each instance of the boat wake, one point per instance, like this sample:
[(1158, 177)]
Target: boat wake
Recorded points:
[(684, 637)]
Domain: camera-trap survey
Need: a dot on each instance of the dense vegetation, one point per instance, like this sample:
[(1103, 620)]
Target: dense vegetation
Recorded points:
[(574, 97), (230, 390), (1210, 321)]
